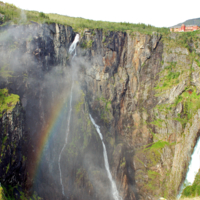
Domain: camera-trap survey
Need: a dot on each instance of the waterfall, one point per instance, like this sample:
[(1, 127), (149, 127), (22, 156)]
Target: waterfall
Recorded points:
[(115, 192), (67, 133), (72, 48), (192, 169)]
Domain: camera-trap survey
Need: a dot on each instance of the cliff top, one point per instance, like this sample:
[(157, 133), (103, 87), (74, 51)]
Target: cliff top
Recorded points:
[(19, 16)]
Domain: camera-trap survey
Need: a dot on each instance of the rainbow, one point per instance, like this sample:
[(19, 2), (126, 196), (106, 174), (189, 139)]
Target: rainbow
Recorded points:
[(52, 124), (44, 138)]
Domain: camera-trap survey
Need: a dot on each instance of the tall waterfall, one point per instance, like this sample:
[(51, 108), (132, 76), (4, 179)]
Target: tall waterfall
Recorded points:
[(67, 133), (115, 192), (72, 48), (193, 168)]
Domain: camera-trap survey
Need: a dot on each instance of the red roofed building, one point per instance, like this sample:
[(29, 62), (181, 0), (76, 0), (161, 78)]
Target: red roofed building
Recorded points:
[(184, 28)]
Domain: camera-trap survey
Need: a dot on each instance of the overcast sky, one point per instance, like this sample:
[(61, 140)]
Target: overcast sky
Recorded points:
[(158, 13)]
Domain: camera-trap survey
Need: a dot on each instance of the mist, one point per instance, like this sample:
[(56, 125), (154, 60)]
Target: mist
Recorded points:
[(41, 70)]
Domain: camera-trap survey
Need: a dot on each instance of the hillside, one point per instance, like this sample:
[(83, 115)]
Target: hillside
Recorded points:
[(18, 16), (98, 105), (189, 22)]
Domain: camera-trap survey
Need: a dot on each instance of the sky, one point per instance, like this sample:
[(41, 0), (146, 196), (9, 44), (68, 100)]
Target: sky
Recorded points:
[(159, 13)]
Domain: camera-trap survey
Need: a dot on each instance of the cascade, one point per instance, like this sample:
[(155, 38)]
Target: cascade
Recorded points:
[(72, 48), (115, 192), (192, 169), (67, 133)]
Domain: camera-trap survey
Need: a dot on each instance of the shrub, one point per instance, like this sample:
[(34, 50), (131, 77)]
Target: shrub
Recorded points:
[(194, 189), (7, 101), (42, 15)]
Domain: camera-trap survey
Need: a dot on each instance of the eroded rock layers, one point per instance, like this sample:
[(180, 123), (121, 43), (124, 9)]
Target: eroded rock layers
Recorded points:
[(142, 90)]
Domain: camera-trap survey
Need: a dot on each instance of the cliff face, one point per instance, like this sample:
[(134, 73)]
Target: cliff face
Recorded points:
[(12, 155), (28, 54), (123, 95), (142, 90)]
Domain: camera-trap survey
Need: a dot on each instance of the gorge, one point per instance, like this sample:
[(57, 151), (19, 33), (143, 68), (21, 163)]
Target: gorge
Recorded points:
[(72, 48), (114, 190), (142, 89)]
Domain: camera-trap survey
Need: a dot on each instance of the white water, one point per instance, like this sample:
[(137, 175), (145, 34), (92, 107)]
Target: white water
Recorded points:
[(67, 133), (115, 192), (72, 48), (193, 168)]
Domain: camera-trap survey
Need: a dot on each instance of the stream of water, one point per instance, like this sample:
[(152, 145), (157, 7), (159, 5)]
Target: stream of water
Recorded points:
[(67, 133), (72, 48), (115, 192), (192, 169)]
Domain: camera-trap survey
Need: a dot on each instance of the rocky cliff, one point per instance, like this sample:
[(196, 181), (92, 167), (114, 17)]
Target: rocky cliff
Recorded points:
[(13, 173), (145, 92), (142, 90)]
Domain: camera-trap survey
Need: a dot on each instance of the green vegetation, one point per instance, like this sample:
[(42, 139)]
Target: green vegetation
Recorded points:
[(9, 11), (182, 120), (80, 23), (1, 193), (86, 44), (158, 122), (4, 139), (194, 189), (104, 39), (175, 73), (169, 78), (82, 133), (190, 22), (123, 162), (183, 39), (80, 102), (153, 180), (198, 62), (7, 194), (105, 111), (7, 168), (7, 101), (159, 145), (152, 154), (184, 107), (80, 175), (111, 140), (13, 13), (4, 72), (191, 103), (163, 108), (42, 15)]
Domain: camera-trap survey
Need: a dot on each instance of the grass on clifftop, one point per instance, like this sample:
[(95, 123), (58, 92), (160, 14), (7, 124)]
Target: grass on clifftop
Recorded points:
[(16, 15), (7, 101)]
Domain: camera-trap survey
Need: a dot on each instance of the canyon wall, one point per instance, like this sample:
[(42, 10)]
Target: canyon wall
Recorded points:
[(13, 140), (142, 90)]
